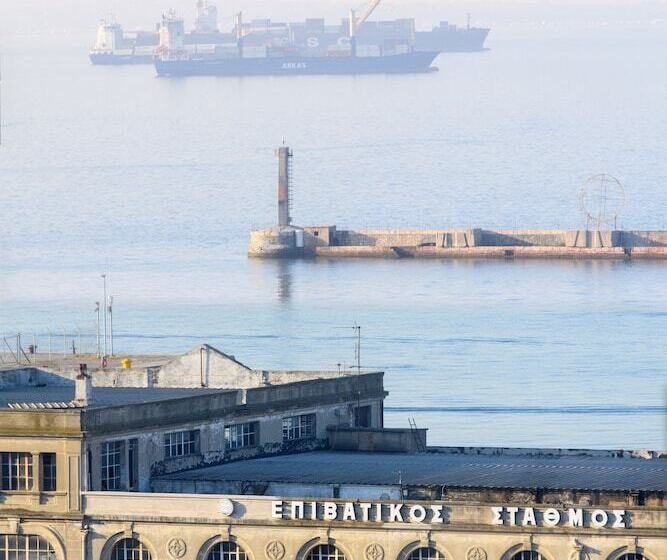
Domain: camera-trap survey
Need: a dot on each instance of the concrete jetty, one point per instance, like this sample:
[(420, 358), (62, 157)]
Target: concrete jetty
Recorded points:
[(285, 240), (330, 242)]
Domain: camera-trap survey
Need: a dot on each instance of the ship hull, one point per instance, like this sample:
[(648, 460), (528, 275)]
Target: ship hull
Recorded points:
[(111, 59), (414, 62)]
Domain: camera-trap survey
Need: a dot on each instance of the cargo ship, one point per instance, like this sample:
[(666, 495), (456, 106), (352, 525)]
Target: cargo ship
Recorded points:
[(311, 38)]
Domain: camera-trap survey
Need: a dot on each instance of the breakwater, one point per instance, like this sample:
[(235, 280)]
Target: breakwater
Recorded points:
[(331, 242)]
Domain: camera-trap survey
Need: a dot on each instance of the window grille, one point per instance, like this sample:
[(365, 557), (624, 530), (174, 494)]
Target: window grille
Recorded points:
[(241, 435), (48, 463), (426, 553), (180, 444), (527, 555), (299, 427), (112, 453), (227, 551), (325, 552), (15, 471), (130, 549), (25, 547), (632, 556)]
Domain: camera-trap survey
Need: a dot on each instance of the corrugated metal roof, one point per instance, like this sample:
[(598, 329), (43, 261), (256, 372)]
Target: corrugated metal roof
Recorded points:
[(436, 469)]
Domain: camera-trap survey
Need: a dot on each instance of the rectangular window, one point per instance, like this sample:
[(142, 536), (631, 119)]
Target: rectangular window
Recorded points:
[(48, 465), (15, 471), (112, 455), (241, 435), (180, 444), (362, 417), (299, 427)]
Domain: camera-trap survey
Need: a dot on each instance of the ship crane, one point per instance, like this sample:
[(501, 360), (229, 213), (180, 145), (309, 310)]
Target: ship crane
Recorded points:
[(357, 22)]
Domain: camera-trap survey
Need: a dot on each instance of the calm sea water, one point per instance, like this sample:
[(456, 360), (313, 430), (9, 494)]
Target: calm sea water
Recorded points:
[(157, 182)]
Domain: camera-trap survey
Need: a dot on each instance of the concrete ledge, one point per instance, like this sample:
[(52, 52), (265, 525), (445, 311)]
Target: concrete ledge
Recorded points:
[(508, 252)]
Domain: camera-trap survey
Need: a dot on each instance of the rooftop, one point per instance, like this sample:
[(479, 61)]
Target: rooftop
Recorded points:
[(442, 469), (104, 397)]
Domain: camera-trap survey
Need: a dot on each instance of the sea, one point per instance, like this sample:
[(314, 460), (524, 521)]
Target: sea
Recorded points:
[(157, 183)]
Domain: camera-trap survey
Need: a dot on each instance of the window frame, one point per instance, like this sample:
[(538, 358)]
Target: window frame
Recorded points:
[(326, 552), (48, 471), (426, 553), (112, 472), (527, 555), (136, 551), (16, 471), (368, 415), (226, 550), (27, 550), (248, 436), (299, 427), (182, 443)]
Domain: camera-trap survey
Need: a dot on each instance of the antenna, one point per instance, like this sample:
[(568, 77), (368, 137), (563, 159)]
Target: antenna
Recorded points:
[(105, 308), (357, 351)]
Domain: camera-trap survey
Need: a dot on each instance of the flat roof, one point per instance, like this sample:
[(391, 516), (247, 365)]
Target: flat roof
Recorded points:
[(442, 469), (103, 397)]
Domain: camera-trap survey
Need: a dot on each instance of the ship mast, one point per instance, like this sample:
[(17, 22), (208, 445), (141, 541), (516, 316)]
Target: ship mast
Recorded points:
[(358, 22)]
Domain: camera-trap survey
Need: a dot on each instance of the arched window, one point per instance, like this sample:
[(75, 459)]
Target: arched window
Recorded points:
[(528, 555), (632, 556), (24, 547), (425, 553), (130, 549), (325, 552), (226, 551)]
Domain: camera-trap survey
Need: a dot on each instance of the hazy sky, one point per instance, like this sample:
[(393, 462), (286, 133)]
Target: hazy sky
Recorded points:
[(28, 17)]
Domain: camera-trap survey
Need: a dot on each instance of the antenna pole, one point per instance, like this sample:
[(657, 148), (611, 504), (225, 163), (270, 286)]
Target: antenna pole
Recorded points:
[(357, 328), (104, 279), (111, 322), (97, 311)]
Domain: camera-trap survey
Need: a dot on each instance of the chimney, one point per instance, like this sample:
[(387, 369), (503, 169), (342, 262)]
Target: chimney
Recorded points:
[(83, 392)]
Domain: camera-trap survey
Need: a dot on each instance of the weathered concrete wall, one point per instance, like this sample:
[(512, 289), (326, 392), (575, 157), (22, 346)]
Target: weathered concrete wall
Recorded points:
[(407, 238), (206, 367), (276, 242), (527, 252), (330, 242), (380, 440), (31, 377), (643, 238), (331, 400)]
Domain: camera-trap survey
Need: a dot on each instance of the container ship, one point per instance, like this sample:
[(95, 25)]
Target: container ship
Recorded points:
[(263, 38)]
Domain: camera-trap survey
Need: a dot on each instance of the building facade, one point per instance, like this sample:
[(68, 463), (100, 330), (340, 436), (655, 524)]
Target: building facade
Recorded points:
[(297, 468)]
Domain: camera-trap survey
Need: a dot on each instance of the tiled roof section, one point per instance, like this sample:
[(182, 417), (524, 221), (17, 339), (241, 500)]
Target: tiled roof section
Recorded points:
[(43, 398), (439, 469)]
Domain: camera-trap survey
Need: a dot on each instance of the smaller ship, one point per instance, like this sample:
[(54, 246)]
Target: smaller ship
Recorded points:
[(114, 46)]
